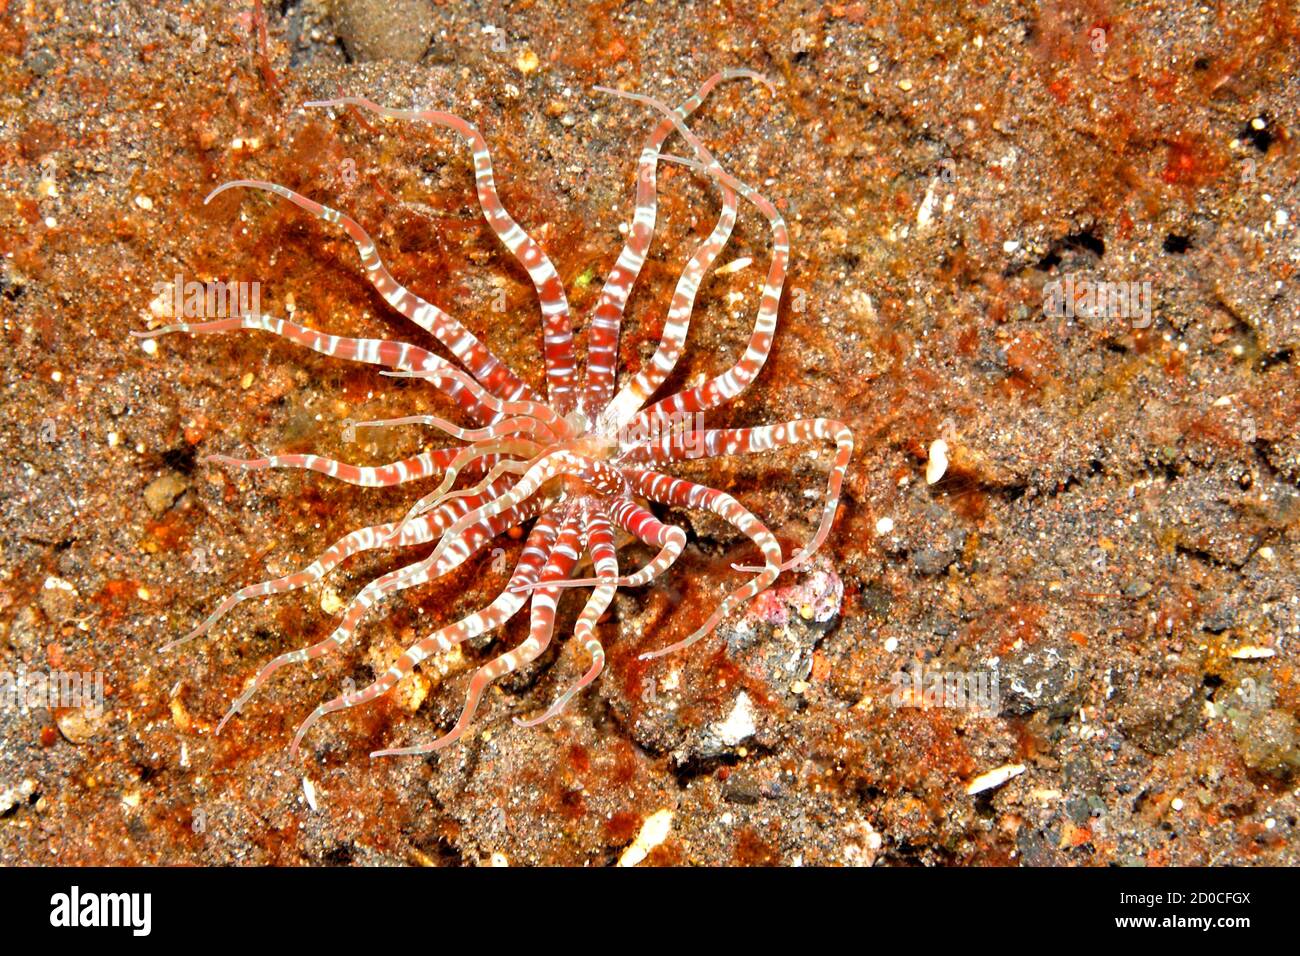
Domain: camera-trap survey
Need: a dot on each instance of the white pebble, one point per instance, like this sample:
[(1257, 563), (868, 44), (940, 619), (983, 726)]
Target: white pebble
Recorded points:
[(739, 724), (653, 832), (735, 265), (994, 778), (884, 525), (938, 463)]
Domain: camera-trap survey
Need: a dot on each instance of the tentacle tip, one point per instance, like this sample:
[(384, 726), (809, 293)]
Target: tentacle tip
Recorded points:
[(191, 636), (172, 645), (391, 752), (216, 192)]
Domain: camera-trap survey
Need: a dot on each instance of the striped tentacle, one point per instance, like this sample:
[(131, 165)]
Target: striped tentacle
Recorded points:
[(676, 491), (519, 425), (367, 476), (374, 537), (729, 384), (732, 382), (538, 410), (450, 553), (456, 384), (473, 354), (641, 524), (478, 453), (606, 319), (537, 548), (602, 477), (452, 460), (680, 446), (541, 626), (676, 325), (600, 545), (557, 326)]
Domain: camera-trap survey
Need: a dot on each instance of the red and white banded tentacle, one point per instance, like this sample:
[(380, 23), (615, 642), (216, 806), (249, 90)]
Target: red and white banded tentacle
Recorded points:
[(458, 385), (678, 446), (601, 476), (557, 325), (480, 454), (473, 354), (450, 553), (367, 476), (729, 384), (641, 524), (537, 549), (541, 625), (732, 382), (606, 319), (429, 527), (600, 544), (677, 491)]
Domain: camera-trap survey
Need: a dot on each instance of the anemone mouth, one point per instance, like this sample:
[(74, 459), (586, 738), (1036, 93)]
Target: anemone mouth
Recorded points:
[(596, 447)]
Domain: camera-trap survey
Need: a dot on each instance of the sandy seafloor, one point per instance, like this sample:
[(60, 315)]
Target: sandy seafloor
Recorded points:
[(1113, 544)]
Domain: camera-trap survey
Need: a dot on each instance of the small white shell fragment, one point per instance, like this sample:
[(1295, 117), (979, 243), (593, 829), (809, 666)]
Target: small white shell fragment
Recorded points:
[(309, 791), (925, 214), (994, 778), (144, 202), (938, 463), (735, 265), (527, 61), (1252, 652), (330, 602), (884, 525), (653, 832), (739, 724), (498, 859)]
